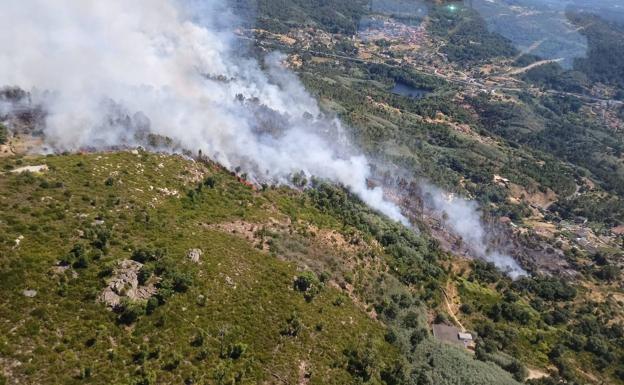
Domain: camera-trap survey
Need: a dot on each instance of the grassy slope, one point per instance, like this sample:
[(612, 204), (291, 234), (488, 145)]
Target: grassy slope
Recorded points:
[(238, 296), (62, 330)]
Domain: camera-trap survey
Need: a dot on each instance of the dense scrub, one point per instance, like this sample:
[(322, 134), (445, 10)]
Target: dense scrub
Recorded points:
[(605, 47), (468, 40), (334, 16)]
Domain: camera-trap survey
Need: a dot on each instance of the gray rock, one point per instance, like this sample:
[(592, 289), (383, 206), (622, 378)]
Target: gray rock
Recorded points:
[(194, 255), (125, 284)]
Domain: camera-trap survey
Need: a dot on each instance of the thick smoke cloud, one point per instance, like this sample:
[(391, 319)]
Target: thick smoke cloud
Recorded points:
[(463, 218), (109, 71)]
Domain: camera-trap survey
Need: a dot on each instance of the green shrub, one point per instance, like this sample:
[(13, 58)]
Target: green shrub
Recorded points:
[(410, 320), (151, 305), (361, 362), (418, 336), (293, 326), (139, 357), (517, 370), (106, 270), (143, 255), (485, 272), (466, 308), (340, 300), (85, 373), (308, 283), (130, 311), (77, 257), (4, 134), (237, 350), (172, 361), (198, 339), (547, 288), (442, 364), (144, 274), (441, 318), (391, 336), (182, 281), (210, 182), (607, 273), (99, 237), (394, 374)]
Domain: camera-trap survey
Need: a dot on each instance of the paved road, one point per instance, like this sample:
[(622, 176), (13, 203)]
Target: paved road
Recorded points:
[(533, 65)]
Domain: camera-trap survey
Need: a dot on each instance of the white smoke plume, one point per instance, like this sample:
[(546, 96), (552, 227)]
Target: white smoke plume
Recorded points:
[(463, 217), (107, 71)]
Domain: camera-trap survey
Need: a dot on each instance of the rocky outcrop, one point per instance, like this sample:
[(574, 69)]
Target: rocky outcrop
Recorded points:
[(125, 284)]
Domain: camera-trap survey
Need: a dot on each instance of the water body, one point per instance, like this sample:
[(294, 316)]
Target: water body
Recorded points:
[(408, 91)]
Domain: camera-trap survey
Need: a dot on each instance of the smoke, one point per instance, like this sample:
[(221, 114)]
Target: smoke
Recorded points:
[(538, 27), (463, 218), (108, 72)]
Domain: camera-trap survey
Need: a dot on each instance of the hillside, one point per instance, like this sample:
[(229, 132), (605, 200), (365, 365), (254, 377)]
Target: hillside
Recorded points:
[(539, 150), (278, 294)]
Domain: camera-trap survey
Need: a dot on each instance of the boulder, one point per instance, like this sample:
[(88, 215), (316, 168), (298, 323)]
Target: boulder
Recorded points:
[(125, 284), (194, 255)]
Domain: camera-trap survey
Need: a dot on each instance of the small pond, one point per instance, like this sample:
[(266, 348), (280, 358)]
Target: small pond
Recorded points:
[(409, 91)]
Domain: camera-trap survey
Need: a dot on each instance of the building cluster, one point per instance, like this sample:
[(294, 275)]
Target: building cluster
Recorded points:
[(392, 30)]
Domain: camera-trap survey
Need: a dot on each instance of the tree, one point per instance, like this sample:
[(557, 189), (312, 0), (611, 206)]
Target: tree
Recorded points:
[(418, 336), (361, 362), (4, 133), (293, 326), (411, 319), (129, 311), (607, 273), (518, 370), (77, 257), (144, 274), (466, 308), (237, 350), (308, 283)]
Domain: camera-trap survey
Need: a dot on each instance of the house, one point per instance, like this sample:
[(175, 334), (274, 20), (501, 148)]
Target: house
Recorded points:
[(467, 340)]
